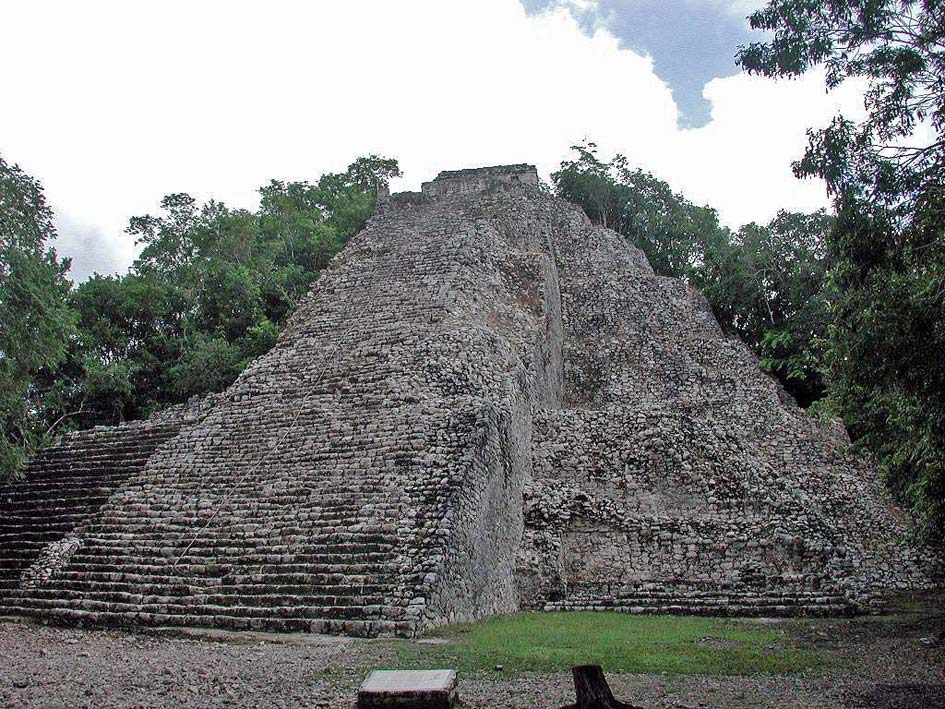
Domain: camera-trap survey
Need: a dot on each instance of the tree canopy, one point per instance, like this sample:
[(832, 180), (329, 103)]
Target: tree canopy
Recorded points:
[(886, 341), (209, 292), (35, 322)]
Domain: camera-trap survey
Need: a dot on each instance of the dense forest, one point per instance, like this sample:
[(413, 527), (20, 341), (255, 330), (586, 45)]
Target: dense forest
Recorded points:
[(847, 309), (209, 292)]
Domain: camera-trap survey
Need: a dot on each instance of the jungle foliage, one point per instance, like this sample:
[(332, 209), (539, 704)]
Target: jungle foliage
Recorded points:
[(885, 355), (209, 292), (35, 321)]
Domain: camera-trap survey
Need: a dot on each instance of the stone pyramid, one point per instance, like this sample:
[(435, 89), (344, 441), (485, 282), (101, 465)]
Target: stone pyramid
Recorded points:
[(486, 403)]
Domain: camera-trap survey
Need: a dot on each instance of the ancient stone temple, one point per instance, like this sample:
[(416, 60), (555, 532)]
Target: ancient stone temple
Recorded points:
[(485, 404)]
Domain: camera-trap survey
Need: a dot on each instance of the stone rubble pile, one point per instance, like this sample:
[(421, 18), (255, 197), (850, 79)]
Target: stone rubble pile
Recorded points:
[(676, 476)]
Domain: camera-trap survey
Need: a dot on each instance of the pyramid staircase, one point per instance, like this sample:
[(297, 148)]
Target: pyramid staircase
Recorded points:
[(64, 486)]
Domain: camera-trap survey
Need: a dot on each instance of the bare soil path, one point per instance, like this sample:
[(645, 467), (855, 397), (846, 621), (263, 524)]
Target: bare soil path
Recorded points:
[(882, 662)]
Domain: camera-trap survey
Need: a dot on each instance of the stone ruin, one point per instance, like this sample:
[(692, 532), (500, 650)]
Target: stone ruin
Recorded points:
[(485, 404)]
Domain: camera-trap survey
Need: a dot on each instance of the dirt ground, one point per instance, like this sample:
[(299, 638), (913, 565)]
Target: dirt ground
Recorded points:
[(885, 662)]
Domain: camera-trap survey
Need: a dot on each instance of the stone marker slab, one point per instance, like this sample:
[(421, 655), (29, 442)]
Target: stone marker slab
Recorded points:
[(408, 689)]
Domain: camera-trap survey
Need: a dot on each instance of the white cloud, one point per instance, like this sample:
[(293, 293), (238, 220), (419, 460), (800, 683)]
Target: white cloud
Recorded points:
[(742, 8), (114, 104), (92, 250), (740, 163)]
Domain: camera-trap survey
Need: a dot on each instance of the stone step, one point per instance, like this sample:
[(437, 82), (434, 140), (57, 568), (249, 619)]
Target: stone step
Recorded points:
[(243, 581), (39, 506), (12, 571), (280, 516), (729, 605), (88, 458), (326, 596), (248, 499), (29, 532), (720, 609), (71, 480), (81, 466), (731, 591), (186, 527), (253, 581), (37, 510), (49, 477), (175, 542), (58, 497), (68, 483), (136, 609), (65, 484), (357, 628), (212, 565), (104, 443), (290, 573), (779, 598), (79, 459), (25, 550), (312, 564)]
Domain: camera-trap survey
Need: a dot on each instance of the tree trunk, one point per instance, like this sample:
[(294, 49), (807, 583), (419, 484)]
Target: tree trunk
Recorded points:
[(592, 689)]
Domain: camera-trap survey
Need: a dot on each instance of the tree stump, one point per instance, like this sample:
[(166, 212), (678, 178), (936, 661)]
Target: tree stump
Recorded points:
[(592, 690)]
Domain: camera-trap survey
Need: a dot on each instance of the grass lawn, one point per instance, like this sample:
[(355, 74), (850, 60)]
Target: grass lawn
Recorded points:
[(619, 642)]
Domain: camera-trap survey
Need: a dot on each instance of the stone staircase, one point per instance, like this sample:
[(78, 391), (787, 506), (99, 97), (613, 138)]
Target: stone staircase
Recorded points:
[(333, 571), (734, 603), (363, 477), (285, 587), (64, 486)]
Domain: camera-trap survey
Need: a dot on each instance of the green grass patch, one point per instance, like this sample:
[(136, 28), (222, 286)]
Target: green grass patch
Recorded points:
[(551, 642)]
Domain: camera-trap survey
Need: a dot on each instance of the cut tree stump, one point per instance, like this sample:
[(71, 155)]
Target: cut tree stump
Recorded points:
[(592, 690)]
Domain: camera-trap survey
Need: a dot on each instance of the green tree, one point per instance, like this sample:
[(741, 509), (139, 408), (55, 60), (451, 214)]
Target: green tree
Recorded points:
[(769, 285), (209, 292), (886, 344), (35, 322), (129, 329), (673, 233), (592, 185)]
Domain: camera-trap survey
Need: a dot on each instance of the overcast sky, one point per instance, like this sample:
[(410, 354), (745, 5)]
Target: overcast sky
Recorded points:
[(114, 104)]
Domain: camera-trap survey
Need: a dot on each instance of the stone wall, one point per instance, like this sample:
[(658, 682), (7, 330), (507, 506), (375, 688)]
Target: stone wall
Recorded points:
[(486, 403), (680, 477), (481, 180)]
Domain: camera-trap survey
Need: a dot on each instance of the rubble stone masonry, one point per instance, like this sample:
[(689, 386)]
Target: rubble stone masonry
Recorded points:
[(486, 403)]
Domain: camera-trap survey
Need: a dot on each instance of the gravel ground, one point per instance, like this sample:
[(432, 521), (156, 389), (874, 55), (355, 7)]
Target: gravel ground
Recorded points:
[(887, 665)]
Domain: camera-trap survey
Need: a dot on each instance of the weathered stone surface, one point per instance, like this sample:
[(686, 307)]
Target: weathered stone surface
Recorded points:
[(485, 403), (408, 689), (677, 476), (67, 483)]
